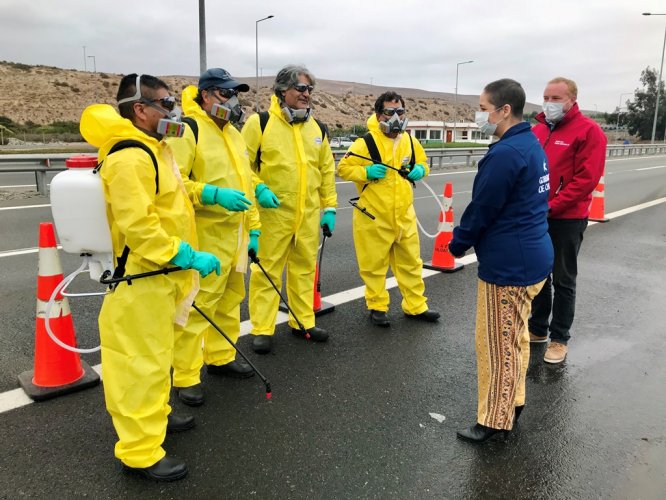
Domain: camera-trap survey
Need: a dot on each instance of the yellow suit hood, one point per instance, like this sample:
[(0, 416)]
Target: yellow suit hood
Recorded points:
[(373, 123), (102, 127)]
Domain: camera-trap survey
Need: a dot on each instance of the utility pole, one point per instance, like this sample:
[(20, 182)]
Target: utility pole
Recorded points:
[(85, 59), (202, 36)]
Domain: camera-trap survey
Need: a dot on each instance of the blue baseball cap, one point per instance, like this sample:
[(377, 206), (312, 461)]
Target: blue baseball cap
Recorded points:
[(220, 78)]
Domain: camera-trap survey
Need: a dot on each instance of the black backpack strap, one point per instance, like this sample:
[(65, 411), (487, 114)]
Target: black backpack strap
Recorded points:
[(372, 148), (263, 121), (323, 128), (412, 160), (194, 126), (129, 143)]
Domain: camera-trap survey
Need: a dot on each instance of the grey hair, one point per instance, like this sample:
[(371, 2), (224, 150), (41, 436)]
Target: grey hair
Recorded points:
[(288, 76)]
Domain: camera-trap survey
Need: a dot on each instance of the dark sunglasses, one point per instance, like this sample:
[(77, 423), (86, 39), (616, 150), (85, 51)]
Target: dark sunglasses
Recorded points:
[(167, 103), (393, 111), (302, 87), (226, 93)]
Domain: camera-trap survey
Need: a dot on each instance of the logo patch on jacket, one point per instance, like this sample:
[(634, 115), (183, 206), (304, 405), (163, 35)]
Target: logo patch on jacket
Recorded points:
[(561, 143), (318, 141)]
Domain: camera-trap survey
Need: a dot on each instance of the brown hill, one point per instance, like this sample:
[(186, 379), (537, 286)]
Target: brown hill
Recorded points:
[(45, 94)]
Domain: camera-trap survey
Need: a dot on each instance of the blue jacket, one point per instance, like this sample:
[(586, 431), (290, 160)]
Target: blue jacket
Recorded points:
[(506, 220)]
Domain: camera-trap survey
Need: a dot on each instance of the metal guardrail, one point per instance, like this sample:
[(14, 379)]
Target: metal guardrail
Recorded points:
[(40, 164)]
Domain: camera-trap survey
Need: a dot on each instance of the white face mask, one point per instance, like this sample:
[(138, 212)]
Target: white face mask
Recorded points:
[(481, 119), (554, 111)]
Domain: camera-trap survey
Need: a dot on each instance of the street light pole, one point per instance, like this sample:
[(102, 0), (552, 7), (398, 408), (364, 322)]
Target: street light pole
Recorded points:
[(94, 63), (202, 36), (85, 59), (455, 101), (619, 107), (656, 107), (256, 48)]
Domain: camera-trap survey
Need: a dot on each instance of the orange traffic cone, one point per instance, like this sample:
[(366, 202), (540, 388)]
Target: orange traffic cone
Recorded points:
[(442, 260), (57, 370), (597, 205), (320, 306)]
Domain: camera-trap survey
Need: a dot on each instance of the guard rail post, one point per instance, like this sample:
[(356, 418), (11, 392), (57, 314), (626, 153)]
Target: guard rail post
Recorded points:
[(40, 178)]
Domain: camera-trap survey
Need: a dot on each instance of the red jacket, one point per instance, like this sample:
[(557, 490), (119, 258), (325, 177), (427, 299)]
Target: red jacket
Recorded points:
[(576, 151)]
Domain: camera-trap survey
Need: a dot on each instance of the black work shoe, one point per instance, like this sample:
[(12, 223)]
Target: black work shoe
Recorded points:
[(379, 318), (179, 424), (191, 396), (480, 433), (316, 334), (429, 316), (167, 469), (235, 369), (262, 344)]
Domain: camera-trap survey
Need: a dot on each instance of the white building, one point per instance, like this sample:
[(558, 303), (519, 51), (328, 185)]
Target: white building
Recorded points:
[(428, 131)]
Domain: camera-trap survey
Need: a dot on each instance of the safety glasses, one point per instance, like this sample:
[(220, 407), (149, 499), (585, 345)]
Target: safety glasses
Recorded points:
[(226, 93), (302, 87), (167, 103), (393, 111)]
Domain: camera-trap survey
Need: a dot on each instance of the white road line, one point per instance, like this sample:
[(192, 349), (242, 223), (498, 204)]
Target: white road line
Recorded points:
[(16, 398), (636, 158), (650, 168), (18, 186), (24, 251), (25, 206)]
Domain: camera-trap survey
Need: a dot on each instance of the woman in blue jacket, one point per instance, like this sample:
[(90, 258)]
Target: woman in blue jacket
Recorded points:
[(506, 224)]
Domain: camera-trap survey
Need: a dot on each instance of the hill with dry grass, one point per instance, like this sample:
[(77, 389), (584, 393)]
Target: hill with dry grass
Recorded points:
[(45, 94)]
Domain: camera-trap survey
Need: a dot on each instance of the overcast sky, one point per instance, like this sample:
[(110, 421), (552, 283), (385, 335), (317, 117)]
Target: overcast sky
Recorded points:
[(602, 44)]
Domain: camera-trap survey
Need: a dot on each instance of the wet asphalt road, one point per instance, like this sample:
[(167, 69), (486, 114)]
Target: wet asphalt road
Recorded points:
[(350, 419)]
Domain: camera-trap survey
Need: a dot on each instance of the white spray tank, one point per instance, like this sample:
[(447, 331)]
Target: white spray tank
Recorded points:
[(79, 213)]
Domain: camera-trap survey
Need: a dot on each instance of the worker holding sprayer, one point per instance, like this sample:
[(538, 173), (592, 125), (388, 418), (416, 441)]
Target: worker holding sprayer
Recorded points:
[(152, 226), (213, 161), (383, 164), (295, 180)]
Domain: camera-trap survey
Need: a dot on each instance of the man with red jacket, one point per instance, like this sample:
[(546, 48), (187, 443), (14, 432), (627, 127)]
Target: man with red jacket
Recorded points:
[(576, 149)]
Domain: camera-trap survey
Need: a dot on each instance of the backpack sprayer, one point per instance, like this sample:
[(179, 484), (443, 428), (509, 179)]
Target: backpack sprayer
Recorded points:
[(79, 214)]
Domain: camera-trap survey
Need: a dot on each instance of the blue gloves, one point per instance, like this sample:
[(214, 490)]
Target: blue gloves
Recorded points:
[(328, 219), (417, 173), (265, 197), (188, 258), (375, 171), (254, 241), (231, 199)]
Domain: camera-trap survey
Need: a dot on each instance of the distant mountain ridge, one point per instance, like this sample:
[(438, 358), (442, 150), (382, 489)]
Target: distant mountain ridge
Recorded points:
[(45, 94)]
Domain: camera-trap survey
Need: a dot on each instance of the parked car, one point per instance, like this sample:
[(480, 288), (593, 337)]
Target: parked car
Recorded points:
[(341, 142)]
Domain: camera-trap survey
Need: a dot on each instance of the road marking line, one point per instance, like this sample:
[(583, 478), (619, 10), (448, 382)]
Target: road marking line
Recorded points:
[(24, 251), (650, 168), (18, 186), (25, 206)]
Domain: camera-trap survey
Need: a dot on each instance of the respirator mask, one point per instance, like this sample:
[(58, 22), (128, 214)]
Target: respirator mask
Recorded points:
[(394, 123), (295, 115), (231, 110)]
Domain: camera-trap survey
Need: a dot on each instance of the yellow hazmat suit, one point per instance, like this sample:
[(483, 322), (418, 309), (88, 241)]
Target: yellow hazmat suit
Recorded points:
[(297, 165), (392, 238), (137, 321), (220, 158)]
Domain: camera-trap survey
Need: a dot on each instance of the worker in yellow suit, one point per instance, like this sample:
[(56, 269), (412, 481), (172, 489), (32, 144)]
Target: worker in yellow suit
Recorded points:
[(392, 237), (213, 161), (295, 181), (152, 227)]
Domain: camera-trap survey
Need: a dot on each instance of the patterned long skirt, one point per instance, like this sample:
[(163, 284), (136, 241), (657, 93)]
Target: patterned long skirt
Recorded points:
[(502, 350)]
